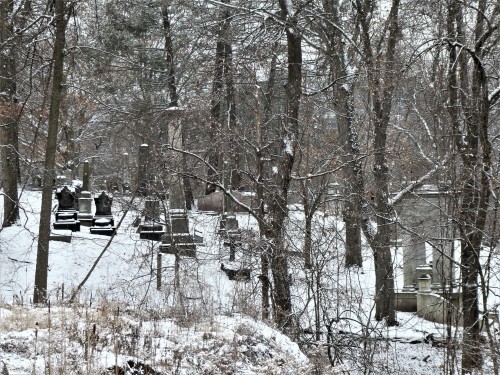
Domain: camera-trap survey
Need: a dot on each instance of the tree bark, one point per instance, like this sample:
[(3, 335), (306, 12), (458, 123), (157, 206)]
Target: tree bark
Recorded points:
[(344, 108), (42, 258), (262, 154), (174, 98), (278, 199), (381, 82), (222, 52), (9, 113), (469, 106)]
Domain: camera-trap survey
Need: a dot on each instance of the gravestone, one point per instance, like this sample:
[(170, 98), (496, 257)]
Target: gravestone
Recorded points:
[(85, 213), (103, 222), (425, 212), (66, 215), (65, 199), (442, 264), (151, 228), (125, 174), (177, 239)]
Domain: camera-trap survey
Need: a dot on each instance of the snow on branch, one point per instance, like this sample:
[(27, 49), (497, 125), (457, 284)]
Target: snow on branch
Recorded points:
[(330, 171), (412, 186), (494, 95)]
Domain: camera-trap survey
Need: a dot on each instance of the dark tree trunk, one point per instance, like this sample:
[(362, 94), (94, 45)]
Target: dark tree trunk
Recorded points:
[(42, 258), (9, 113), (222, 51), (279, 196), (382, 77), (262, 154), (343, 104), (468, 106), (231, 128)]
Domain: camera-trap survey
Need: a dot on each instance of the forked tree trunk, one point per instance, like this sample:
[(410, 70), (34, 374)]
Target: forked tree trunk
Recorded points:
[(382, 76)]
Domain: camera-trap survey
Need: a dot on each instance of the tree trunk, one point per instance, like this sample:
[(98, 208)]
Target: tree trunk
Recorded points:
[(262, 154), (42, 258), (174, 98), (221, 55), (9, 113), (278, 211), (382, 77), (344, 108), (468, 107)]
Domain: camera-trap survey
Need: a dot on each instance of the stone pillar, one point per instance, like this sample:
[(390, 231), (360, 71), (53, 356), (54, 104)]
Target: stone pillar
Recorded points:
[(424, 284), (158, 271), (177, 239), (86, 176), (413, 257), (126, 174)]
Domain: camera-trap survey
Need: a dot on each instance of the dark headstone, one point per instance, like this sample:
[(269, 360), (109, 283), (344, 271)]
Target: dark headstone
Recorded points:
[(66, 199), (103, 204), (66, 215)]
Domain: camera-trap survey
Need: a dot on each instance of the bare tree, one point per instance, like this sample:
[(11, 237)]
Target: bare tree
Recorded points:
[(343, 73), (62, 13), (469, 105), (380, 67)]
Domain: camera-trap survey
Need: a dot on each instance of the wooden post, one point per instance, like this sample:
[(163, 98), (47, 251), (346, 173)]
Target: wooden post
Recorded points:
[(158, 271)]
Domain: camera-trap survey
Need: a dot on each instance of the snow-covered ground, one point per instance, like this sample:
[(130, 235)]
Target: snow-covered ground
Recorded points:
[(206, 325)]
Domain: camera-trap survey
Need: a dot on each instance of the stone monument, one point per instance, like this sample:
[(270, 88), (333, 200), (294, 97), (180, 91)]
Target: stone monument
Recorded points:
[(85, 200), (151, 227), (66, 215), (103, 222), (177, 239)]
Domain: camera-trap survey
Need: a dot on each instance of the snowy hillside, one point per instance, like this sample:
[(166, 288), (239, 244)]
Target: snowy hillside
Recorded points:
[(206, 325)]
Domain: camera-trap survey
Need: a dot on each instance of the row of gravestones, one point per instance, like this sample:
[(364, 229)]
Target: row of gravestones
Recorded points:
[(74, 208)]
